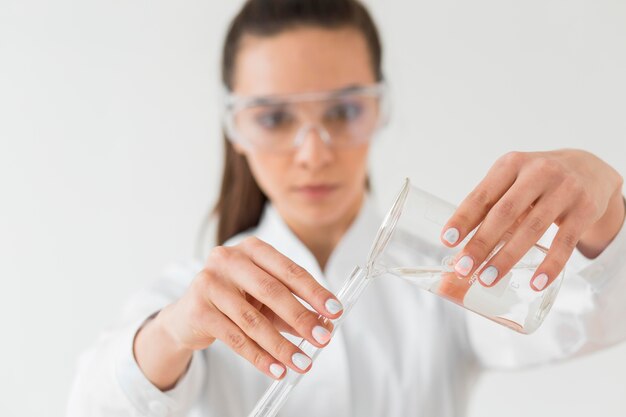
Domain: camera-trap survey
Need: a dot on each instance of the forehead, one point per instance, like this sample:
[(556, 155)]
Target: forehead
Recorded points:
[(303, 59)]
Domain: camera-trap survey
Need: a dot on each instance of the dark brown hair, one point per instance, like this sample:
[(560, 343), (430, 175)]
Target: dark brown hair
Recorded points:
[(241, 201)]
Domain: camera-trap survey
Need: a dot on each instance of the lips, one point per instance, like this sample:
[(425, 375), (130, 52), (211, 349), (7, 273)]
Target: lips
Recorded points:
[(316, 190)]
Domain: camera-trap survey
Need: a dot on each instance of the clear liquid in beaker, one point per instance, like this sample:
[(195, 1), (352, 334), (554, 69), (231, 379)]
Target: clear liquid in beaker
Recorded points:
[(511, 302)]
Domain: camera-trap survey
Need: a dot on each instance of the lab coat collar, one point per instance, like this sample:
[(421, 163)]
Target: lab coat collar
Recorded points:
[(351, 250)]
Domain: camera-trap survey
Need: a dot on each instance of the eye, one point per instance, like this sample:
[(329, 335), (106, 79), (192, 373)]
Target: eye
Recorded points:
[(344, 112), (275, 118)]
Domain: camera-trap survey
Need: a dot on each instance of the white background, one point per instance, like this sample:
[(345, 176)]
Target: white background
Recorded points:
[(110, 156)]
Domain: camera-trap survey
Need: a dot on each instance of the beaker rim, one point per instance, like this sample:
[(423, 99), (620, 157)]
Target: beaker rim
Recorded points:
[(387, 227)]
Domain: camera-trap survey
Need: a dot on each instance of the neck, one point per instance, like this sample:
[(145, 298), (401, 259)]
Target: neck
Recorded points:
[(322, 240)]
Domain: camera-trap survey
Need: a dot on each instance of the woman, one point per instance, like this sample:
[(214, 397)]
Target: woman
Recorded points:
[(306, 96)]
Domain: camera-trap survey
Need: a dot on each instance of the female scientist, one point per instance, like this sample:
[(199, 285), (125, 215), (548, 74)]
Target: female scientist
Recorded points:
[(305, 98)]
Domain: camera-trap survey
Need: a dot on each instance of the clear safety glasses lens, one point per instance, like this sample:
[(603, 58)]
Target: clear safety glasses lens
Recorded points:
[(279, 123)]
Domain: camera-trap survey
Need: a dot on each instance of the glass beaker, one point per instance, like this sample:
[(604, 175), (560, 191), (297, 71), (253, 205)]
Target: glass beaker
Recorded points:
[(407, 246)]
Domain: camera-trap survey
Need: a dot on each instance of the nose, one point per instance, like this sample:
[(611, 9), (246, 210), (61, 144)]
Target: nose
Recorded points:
[(313, 151)]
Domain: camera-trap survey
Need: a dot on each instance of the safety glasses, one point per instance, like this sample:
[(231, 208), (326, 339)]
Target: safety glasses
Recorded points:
[(280, 123)]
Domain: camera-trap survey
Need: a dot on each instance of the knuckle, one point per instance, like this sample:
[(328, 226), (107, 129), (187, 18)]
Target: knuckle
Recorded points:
[(319, 292), (512, 159), (479, 197), (259, 359), (206, 286), (219, 254), (251, 242), (552, 266), (295, 271), (462, 217), (236, 341), (479, 244), (505, 208), (549, 168), (210, 276), (507, 236), (270, 288), (252, 318), (302, 318), (536, 225), (506, 259), (568, 239), (572, 186), (283, 348), (202, 281)]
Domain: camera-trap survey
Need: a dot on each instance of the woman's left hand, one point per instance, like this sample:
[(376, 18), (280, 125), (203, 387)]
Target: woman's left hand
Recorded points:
[(521, 196)]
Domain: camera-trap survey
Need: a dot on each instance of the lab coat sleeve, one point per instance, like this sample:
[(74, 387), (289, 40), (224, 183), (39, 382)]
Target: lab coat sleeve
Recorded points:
[(108, 381), (587, 315)]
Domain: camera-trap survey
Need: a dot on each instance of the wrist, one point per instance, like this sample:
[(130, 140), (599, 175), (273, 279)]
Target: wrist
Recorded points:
[(601, 233), (161, 359), (164, 331)]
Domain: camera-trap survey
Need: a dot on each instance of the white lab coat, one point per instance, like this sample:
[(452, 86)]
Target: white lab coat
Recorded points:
[(401, 352)]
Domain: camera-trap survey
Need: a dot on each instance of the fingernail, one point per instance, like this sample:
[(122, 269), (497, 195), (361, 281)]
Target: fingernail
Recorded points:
[(276, 370), (321, 335), (464, 265), (489, 275), (301, 361), (333, 306), (540, 281), (451, 235)]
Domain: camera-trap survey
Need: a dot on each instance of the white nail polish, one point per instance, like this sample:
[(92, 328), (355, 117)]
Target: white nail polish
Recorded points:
[(540, 281), (451, 235), (489, 275), (464, 265), (333, 306), (300, 360), (276, 370), (321, 334)]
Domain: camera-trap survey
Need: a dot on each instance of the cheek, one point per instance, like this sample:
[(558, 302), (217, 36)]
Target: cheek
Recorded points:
[(353, 163), (269, 172)]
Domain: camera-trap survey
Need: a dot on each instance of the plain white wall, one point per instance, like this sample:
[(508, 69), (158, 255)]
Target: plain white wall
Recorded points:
[(110, 156)]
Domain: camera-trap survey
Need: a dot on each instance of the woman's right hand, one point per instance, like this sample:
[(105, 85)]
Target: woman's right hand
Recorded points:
[(245, 296)]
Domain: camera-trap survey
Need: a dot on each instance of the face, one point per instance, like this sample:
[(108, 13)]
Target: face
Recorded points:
[(314, 184)]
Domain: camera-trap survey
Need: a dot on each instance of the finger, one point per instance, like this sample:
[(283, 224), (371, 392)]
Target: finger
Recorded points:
[(454, 287), (258, 328), (560, 251), (280, 324), (535, 224), (229, 333), (477, 204), (501, 218), (293, 276), (273, 293)]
